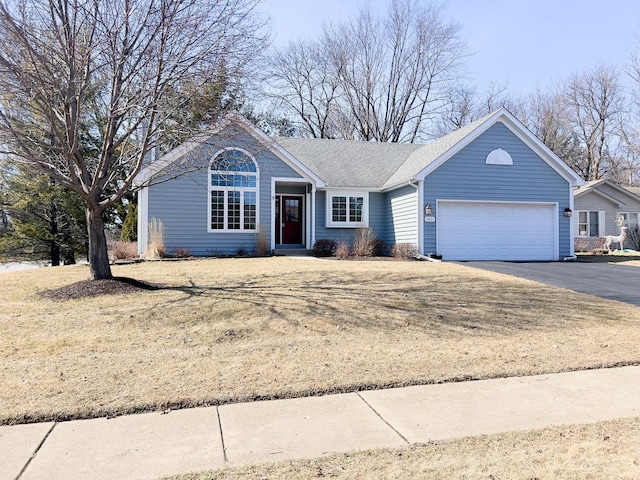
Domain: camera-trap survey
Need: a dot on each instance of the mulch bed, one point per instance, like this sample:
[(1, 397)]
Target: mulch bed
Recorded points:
[(95, 288)]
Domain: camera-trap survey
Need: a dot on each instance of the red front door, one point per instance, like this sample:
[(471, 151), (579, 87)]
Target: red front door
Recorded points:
[(291, 220)]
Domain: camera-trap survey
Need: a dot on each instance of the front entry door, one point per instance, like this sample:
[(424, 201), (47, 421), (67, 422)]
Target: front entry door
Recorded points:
[(291, 220)]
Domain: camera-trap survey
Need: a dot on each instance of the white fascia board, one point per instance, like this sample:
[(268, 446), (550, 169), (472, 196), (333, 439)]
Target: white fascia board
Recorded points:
[(533, 142), (479, 130), (143, 220), (294, 163), (168, 158), (350, 189), (239, 120), (275, 147), (519, 130)]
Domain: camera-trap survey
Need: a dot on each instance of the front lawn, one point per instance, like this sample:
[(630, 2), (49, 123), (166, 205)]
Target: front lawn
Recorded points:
[(609, 449), (227, 330)]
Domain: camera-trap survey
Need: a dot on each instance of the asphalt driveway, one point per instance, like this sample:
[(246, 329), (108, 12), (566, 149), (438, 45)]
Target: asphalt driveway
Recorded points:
[(611, 281)]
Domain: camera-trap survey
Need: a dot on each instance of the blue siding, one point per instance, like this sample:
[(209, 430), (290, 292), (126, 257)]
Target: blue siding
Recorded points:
[(377, 219), (322, 231), (465, 176), (182, 203), (378, 214), (402, 217)]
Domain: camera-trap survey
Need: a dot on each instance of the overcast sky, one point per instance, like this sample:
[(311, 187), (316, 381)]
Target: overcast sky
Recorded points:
[(529, 43)]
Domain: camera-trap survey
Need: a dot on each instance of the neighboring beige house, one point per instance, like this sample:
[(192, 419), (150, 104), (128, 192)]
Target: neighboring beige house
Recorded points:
[(600, 208)]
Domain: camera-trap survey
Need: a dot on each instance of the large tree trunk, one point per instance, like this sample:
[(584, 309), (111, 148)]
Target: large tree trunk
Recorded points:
[(99, 267)]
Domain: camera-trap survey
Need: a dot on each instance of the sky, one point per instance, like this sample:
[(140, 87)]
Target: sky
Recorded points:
[(526, 44)]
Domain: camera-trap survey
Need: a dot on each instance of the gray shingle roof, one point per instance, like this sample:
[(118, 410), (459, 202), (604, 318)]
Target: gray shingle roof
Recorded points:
[(343, 163)]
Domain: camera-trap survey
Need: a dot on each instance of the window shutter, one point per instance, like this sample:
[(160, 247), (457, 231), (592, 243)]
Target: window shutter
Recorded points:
[(601, 225)]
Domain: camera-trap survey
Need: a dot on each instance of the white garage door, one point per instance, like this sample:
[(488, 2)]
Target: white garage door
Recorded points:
[(496, 231)]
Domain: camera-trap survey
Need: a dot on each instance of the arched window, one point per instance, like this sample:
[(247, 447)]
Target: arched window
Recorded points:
[(233, 192)]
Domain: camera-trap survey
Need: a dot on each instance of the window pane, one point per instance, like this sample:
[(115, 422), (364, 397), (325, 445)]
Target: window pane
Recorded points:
[(249, 210), (217, 210), (339, 209), (582, 217), (594, 229), (233, 161), (355, 209), (292, 209), (633, 220), (233, 206)]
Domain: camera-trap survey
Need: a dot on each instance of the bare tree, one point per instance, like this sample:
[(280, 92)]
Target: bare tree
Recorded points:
[(547, 116), (381, 78), (465, 105), (596, 106), (307, 87), (83, 86)]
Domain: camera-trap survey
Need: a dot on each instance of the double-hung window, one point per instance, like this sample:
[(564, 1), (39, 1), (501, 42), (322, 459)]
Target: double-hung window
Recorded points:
[(590, 223), (233, 192), (629, 219), (345, 209)]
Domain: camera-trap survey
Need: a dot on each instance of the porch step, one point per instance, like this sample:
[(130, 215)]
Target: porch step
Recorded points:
[(291, 252)]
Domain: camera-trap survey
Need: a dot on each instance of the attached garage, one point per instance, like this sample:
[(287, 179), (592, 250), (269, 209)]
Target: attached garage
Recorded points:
[(468, 230)]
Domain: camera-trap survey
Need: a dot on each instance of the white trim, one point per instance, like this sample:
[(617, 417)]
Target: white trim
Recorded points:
[(573, 226), (353, 189), (309, 221), (498, 157), (272, 221), (517, 128), (420, 217), (312, 209), (555, 205), (627, 213), (601, 223), (233, 118), (143, 220), (303, 210), (348, 193), (227, 189)]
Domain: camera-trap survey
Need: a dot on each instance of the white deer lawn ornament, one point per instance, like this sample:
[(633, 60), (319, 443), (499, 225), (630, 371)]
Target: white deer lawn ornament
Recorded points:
[(609, 239)]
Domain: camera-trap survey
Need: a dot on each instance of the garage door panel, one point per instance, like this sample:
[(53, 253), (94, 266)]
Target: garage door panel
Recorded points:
[(496, 231)]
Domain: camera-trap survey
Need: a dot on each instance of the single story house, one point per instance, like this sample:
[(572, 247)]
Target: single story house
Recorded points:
[(601, 208), (488, 191)]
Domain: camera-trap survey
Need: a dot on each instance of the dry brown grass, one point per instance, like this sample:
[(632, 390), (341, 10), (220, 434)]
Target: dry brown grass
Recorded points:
[(597, 451), (632, 263), (239, 329)]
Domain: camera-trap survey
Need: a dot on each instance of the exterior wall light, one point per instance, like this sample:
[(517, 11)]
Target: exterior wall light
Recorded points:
[(567, 212), (427, 209)]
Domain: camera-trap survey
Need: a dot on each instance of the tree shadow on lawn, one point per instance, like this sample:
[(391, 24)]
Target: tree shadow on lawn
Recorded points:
[(388, 303)]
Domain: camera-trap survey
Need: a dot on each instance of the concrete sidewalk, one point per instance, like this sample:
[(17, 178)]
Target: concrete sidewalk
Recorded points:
[(148, 446)]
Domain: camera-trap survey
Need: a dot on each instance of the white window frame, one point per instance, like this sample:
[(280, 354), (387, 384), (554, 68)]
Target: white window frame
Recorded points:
[(230, 188), (601, 224), (330, 223), (625, 222)]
